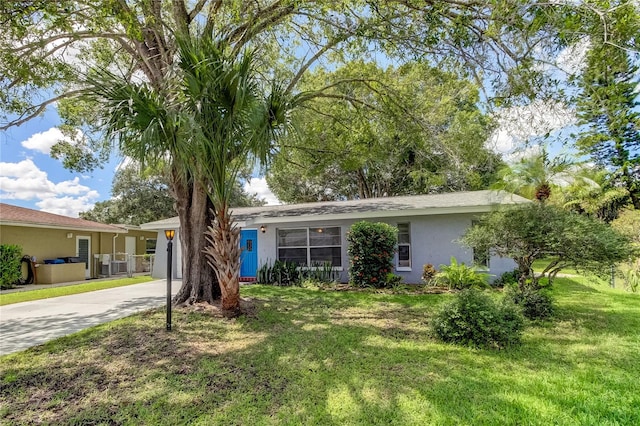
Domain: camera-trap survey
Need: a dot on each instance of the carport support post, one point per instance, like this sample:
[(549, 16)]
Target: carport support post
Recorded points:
[(169, 234)]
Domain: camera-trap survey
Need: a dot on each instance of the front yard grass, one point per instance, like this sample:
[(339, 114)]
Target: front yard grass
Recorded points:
[(46, 293), (308, 356)]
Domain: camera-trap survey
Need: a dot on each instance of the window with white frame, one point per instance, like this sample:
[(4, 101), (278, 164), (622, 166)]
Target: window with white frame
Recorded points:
[(404, 246), (480, 257), (310, 246)]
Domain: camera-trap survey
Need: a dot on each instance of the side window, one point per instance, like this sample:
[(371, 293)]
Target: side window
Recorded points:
[(404, 245), (480, 257), (150, 247)]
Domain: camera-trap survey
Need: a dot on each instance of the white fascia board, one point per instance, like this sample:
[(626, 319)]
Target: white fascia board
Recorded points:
[(153, 226), (373, 214), (65, 228), (176, 225)]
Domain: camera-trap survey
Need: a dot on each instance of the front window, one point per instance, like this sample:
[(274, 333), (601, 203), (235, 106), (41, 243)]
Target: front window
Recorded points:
[(404, 246), (310, 246)]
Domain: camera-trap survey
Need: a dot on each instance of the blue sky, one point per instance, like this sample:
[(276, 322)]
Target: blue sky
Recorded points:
[(29, 177)]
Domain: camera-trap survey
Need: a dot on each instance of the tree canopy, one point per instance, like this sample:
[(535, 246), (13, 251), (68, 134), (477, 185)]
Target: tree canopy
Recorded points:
[(404, 130)]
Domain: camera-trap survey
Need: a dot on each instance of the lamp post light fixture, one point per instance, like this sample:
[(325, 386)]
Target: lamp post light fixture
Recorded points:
[(169, 234)]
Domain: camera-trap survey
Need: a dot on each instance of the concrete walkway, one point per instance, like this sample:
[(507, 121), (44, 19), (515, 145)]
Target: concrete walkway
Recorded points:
[(27, 324)]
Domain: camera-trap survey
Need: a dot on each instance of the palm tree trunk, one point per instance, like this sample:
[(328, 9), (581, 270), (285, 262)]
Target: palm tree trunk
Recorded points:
[(223, 255), (199, 282)]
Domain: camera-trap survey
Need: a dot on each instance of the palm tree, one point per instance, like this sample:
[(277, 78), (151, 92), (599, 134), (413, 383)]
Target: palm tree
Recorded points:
[(147, 123), (232, 123), (596, 196), (206, 121), (534, 176)]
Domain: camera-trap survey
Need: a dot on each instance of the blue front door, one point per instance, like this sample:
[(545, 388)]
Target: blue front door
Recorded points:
[(249, 256)]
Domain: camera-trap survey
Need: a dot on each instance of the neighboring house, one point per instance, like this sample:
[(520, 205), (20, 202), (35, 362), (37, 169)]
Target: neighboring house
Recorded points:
[(50, 236), (428, 229)]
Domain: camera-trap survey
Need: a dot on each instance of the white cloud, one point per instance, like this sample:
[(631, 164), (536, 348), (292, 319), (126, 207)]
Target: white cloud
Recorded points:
[(25, 181), (517, 125), (66, 206), (259, 187), (43, 141)]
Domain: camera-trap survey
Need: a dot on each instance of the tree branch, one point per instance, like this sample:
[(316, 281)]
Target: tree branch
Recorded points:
[(36, 110), (307, 64)]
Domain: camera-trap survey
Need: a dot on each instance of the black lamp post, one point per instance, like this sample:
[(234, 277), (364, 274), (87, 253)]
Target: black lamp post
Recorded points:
[(169, 233)]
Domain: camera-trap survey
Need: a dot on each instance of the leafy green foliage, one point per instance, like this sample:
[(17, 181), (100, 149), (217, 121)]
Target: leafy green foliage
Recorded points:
[(458, 276), (632, 278), (284, 273), (428, 273), (417, 130), (10, 266), (608, 107), (628, 223), (537, 175), (474, 318), (371, 247), (507, 278), (598, 195), (536, 303), (136, 198), (535, 231)]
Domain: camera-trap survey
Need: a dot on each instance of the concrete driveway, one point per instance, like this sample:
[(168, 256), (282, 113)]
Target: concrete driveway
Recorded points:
[(27, 324)]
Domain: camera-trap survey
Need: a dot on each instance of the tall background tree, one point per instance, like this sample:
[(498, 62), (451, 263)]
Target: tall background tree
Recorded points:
[(609, 109), (375, 133), (136, 197)]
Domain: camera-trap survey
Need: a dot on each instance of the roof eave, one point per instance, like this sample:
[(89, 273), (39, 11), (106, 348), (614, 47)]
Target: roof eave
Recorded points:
[(65, 228)]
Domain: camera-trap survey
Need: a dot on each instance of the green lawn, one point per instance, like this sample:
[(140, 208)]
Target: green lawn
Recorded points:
[(313, 357), (46, 293)]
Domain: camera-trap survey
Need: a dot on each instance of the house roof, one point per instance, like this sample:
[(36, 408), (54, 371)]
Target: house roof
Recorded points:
[(20, 216), (414, 205)]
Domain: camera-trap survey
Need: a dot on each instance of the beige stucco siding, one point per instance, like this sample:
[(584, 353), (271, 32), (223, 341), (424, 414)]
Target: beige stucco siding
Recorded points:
[(44, 243)]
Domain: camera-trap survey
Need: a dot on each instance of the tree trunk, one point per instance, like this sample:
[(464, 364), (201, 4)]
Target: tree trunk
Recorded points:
[(199, 283), (223, 255)]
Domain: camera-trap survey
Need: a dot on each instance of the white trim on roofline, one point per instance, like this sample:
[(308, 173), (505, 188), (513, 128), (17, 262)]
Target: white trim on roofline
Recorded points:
[(374, 214), (66, 228)]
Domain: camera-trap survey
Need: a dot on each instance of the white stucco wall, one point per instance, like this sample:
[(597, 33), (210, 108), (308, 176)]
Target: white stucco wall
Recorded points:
[(433, 240), (160, 263)]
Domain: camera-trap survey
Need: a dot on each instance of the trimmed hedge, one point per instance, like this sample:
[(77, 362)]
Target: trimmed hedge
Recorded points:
[(10, 267), (371, 249)]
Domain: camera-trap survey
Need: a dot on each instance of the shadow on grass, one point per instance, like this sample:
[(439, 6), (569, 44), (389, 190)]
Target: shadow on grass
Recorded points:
[(307, 357)]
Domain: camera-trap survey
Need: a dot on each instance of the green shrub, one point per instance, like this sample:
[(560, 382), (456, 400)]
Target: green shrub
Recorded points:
[(393, 280), (320, 272), (10, 266), (534, 302), (281, 273), (371, 248), (507, 278), (460, 276), (473, 318), (428, 274)]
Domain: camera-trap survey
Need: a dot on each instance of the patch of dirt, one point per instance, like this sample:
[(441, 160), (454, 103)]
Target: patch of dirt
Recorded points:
[(247, 308)]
